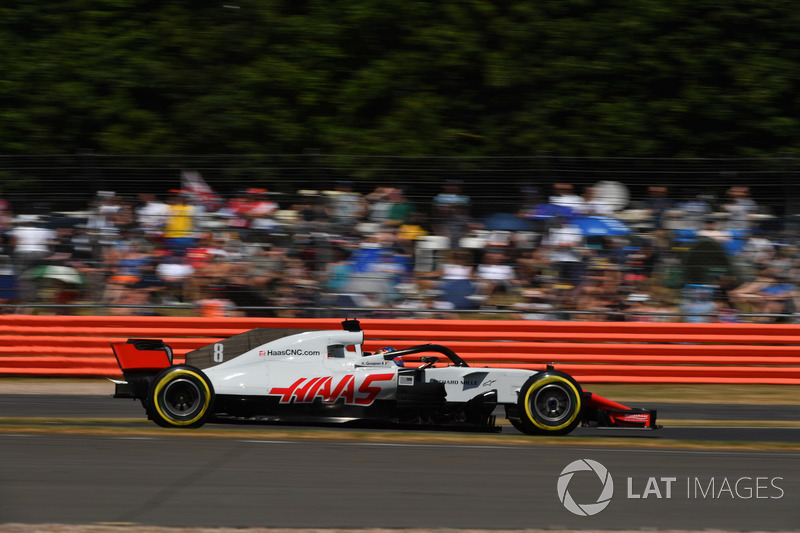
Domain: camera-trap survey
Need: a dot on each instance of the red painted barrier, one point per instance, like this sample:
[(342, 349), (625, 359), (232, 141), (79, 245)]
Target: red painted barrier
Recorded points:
[(79, 346)]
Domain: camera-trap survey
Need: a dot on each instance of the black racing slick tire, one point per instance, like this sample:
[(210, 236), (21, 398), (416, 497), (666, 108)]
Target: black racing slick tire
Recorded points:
[(550, 403), (180, 396)]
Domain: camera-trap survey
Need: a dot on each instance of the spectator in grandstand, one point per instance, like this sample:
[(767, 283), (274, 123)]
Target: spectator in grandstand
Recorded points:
[(419, 304), (772, 292), (639, 263), (564, 195), (458, 265), (31, 242), (637, 307), (238, 287), (603, 277), (336, 274), (66, 247), (597, 307), (451, 212), (8, 278), (378, 204), (259, 210), (214, 305), (656, 206), (758, 249), (451, 197), (204, 251), (531, 265), (454, 283), (174, 274), (6, 223), (115, 293), (740, 208), (531, 199), (297, 297), (495, 271), (377, 267), (411, 230), (125, 259), (694, 210), (310, 211), (180, 227), (400, 208), (210, 264), (787, 263), (535, 305), (345, 206), (151, 216), (599, 292), (138, 297), (265, 265), (647, 306), (101, 224), (698, 304), (712, 229), (233, 213), (663, 306), (595, 204), (124, 218), (564, 242)]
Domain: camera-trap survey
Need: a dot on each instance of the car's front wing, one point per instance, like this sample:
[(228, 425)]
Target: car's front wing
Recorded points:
[(602, 412)]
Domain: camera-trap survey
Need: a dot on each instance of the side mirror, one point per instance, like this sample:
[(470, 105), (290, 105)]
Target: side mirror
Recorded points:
[(428, 361)]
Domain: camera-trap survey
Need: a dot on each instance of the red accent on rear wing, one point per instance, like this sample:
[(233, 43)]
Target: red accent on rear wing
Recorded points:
[(142, 355)]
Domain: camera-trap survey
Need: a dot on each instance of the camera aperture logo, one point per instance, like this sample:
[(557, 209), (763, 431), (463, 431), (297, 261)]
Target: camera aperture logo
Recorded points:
[(586, 509)]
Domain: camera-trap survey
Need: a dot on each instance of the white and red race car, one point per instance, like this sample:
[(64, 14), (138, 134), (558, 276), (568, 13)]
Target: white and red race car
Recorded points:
[(324, 376)]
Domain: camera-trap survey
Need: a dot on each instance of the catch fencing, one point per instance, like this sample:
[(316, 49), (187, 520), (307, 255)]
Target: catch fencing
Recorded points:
[(593, 352)]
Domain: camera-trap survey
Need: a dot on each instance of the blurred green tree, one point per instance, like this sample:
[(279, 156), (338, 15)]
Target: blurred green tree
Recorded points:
[(688, 78)]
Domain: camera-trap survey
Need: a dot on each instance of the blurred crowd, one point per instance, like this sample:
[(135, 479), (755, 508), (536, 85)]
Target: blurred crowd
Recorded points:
[(558, 254)]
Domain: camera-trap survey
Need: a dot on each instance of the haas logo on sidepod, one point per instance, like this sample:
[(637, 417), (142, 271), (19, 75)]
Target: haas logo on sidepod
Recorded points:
[(306, 390)]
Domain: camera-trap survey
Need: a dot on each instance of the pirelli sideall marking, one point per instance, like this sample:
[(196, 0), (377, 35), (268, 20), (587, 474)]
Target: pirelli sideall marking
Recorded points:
[(306, 390)]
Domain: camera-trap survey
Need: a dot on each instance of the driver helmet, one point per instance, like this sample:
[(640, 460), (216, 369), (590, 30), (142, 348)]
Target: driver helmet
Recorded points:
[(384, 350)]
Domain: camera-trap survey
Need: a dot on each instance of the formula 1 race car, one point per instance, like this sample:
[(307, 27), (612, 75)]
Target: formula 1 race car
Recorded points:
[(324, 376)]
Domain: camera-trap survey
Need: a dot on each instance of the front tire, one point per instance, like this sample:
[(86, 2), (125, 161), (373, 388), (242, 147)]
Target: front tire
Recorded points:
[(180, 396), (550, 403)]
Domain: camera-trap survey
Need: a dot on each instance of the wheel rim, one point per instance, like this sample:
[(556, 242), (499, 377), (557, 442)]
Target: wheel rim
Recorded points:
[(552, 403), (181, 398)]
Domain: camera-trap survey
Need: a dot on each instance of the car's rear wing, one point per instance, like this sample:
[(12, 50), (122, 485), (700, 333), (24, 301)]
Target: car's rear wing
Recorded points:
[(142, 355)]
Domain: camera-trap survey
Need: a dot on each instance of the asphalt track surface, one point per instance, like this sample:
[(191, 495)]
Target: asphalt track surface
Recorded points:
[(175, 479)]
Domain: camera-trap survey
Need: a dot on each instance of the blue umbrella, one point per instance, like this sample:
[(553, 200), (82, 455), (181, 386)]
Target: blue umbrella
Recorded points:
[(600, 225), (549, 211), (507, 222)]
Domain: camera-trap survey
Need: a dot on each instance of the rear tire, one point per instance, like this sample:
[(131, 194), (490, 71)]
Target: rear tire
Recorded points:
[(550, 403), (180, 396)]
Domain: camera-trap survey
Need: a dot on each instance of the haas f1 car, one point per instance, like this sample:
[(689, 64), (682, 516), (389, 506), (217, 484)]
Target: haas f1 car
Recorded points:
[(324, 376)]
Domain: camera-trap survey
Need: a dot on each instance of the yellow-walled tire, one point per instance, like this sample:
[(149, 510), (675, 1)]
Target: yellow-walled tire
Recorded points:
[(550, 403), (180, 396)]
